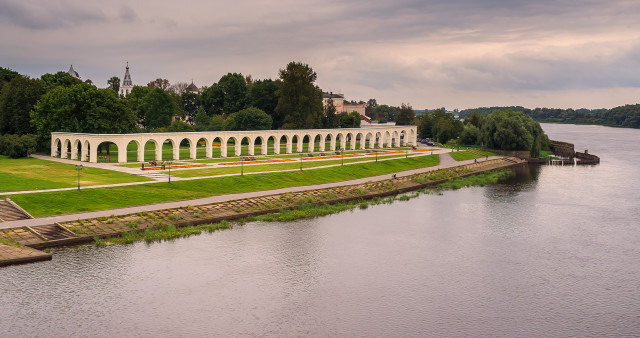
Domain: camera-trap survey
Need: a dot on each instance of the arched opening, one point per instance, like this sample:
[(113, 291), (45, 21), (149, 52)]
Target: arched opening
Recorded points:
[(243, 147), (285, 145), (151, 151), (359, 141), (340, 142), (185, 149), (201, 148), (403, 138), (231, 147), (379, 143), (317, 143), (395, 140), (350, 142), (262, 145), (167, 150), (57, 145), (133, 152), (216, 145), (271, 145), (107, 152), (327, 141), (306, 144), (87, 151), (295, 140), (66, 149), (77, 150)]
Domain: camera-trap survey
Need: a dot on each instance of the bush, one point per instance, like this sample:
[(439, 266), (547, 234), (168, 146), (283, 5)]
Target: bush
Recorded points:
[(16, 146)]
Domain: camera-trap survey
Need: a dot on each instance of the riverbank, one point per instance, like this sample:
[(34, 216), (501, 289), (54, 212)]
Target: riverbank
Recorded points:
[(86, 230)]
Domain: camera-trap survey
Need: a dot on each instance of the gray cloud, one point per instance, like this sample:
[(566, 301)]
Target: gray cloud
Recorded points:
[(38, 16)]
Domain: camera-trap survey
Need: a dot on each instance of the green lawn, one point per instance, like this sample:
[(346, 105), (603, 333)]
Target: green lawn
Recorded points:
[(463, 155), (35, 174), (66, 202), (254, 168)]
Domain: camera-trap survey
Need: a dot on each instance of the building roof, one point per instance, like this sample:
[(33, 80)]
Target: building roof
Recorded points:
[(331, 95), (127, 77), (73, 73), (193, 88)]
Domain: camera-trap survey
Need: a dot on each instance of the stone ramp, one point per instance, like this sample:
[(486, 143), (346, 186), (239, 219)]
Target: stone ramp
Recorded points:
[(10, 255), (10, 211)]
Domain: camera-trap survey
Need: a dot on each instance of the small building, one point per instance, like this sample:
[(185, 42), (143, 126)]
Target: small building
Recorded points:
[(338, 100), (192, 88), (127, 85)]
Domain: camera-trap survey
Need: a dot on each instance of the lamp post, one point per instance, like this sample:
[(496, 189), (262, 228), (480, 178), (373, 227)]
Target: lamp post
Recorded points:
[(301, 161), (375, 148), (169, 164), (406, 153), (78, 168), (241, 165), (342, 154)]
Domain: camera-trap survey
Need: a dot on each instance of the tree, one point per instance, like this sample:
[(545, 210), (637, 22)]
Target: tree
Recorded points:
[(176, 126), (262, 95), (474, 119), (50, 81), (17, 99), (158, 108), (470, 135), (190, 106), (159, 83), (178, 88), (6, 75), (213, 100), (114, 83), (349, 120), (134, 102), (510, 130), (299, 100), (227, 96), (330, 119), (405, 115), (386, 112), (370, 108), (201, 121), (80, 108), (248, 119), (439, 125)]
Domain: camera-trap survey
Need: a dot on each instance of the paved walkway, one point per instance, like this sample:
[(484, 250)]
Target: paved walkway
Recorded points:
[(446, 161)]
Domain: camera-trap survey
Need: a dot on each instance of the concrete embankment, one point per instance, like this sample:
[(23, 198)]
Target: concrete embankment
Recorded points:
[(86, 230)]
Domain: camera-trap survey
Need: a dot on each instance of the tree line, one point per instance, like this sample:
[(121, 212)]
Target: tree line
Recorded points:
[(627, 116), (60, 102)]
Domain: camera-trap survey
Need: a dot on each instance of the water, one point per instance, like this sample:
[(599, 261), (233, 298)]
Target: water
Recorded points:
[(552, 252)]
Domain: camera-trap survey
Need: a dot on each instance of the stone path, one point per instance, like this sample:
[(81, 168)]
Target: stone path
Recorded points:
[(446, 161), (13, 255)]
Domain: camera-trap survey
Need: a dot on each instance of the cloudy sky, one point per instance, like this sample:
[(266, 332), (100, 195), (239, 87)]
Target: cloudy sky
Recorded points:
[(429, 53)]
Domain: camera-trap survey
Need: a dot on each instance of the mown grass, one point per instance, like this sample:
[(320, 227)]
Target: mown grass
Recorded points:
[(35, 174), (72, 201), (464, 155), (305, 210), (255, 168)]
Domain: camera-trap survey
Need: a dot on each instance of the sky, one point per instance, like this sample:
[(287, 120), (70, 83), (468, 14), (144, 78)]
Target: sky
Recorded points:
[(427, 53)]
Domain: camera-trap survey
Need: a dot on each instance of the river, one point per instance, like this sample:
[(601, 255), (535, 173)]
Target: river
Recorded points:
[(554, 251)]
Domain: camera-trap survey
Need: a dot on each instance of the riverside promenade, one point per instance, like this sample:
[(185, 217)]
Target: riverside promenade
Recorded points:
[(82, 227)]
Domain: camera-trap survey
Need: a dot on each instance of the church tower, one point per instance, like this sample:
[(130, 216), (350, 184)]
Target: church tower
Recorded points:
[(127, 85)]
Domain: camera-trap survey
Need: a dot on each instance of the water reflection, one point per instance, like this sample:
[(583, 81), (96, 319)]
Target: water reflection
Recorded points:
[(550, 252)]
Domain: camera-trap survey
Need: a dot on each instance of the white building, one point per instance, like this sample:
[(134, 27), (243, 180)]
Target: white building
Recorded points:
[(127, 85)]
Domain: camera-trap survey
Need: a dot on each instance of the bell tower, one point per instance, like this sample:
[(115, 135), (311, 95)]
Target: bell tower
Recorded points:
[(127, 85)]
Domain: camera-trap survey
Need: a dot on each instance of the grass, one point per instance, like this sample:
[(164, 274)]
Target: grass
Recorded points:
[(305, 210), (464, 155), (35, 174), (255, 168), (66, 202)]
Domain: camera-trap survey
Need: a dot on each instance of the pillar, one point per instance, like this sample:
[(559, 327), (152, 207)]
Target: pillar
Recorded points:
[(193, 148), (176, 150)]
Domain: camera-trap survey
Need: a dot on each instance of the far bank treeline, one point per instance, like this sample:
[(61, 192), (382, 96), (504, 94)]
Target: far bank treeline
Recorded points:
[(627, 116), (60, 102)]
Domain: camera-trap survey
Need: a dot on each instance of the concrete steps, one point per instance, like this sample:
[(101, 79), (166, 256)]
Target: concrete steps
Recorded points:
[(52, 232), (11, 212)]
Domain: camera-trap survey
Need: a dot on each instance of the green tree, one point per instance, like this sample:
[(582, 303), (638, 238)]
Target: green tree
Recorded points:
[(330, 119), (387, 112), (158, 108), (159, 83), (474, 119), (349, 120), (6, 75), (17, 99), (50, 81), (190, 105), (262, 95), (299, 100), (470, 135), (439, 125), (369, 109), (510, 130), (114, 83), (248, 119), (405, 115), (201, 121), (134, 102), (80, 108)]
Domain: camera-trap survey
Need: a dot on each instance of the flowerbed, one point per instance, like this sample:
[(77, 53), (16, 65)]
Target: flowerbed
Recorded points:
[(332, 156), (256, 162), (177, 166)]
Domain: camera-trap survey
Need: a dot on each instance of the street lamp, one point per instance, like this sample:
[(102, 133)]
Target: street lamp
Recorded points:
[(406, 153), (169, 166), (241, 165), (301, 161), (375, 148), (78, 168), (342, 154)]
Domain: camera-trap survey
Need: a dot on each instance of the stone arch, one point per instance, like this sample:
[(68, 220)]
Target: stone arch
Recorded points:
[(229, 146), (359, 141), (307, 143), (395, 139), (104, 148), (66, 149), (288, 143), (369, 138), (263, 142), (403, 138), (169, 152), (149, 154), (76, 150), (86, 151), (202, 147), (139, 151), (249, 141), (56, 147), (386, 139), (378, 140), (186, 147), (273, 143), (342, 139)]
